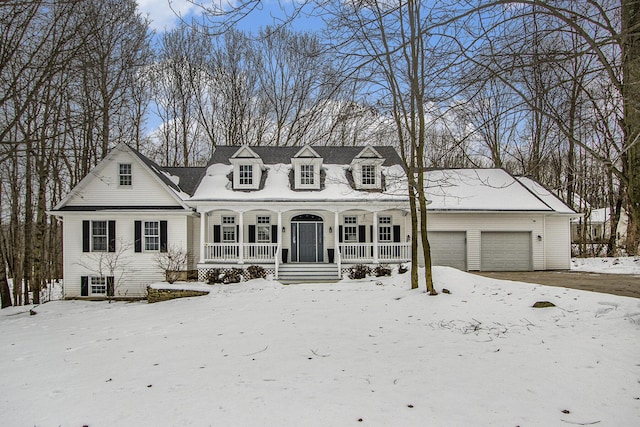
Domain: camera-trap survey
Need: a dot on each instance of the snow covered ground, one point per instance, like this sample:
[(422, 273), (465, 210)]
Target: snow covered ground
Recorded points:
[(369, 352), (615, 265)]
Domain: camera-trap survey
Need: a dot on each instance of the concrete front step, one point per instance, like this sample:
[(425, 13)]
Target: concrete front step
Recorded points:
[(308, 273)]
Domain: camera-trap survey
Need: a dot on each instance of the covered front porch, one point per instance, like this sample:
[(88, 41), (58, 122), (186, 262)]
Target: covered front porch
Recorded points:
[(235, 236)]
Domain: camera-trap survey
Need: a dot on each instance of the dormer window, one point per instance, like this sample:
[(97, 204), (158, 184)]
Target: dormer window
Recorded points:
[(307, 165), (368, 175), (248, 169), (246, 174), (306, 175), (366, 169)]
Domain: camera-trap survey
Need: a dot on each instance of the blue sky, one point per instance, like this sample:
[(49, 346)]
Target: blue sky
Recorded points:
[(162, 13)]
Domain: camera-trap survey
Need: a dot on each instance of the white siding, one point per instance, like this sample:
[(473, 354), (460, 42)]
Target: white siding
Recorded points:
[(103, 189), (134, 270), (557, 243), (475, 223)]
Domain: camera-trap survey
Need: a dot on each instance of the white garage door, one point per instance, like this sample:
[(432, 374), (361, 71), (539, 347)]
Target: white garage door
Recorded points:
[(505, 251), (449, 248)]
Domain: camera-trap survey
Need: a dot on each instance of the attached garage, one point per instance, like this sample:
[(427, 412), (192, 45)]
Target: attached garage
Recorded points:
[(505, 251), (449, 249), (489, 220)]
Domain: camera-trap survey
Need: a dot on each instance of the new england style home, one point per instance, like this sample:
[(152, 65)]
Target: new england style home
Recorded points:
[(302, 213)]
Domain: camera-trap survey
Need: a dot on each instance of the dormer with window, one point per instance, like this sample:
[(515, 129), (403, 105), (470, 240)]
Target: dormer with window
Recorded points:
[(247, 169), (307, 165), (366, 169)]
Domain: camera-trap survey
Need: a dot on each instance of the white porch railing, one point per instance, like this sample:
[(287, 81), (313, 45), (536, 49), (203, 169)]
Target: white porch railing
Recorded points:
[(230, 252), (363, 252)]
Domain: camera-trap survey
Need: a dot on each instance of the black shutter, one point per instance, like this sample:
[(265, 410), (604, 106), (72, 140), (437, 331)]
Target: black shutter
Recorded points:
[(274, 233), (340, 234), (110, 286), (112, 235), (137, 236), (237, 233), (362, 233), (396, 234), (252, 233), (163, 236), (86, 236), (216, 234), (371, 233), (84, 286)]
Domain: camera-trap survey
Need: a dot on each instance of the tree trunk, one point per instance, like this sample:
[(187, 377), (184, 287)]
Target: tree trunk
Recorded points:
[(631, 99), (5, 293)]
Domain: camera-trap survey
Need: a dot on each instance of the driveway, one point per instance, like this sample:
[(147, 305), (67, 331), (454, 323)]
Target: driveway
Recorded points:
[(617, 284)]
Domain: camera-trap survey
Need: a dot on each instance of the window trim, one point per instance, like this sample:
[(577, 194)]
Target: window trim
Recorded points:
[(307, 175), (93, 236), (126, 176), (263, 222), (385, 222), (146, 236), (371, 175), (228, 225), (245, 175), (350, 222), (93, 283)]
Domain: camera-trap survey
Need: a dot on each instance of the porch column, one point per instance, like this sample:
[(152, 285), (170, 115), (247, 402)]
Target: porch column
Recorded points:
[(279, 230), (203, 234), (375, 237), (241, 237), (336, 234)]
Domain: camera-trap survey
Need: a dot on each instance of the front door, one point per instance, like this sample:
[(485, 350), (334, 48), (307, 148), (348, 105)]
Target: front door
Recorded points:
[(306, 239)]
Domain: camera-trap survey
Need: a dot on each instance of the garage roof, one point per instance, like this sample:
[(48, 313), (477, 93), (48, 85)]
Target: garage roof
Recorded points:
[(487, 190)]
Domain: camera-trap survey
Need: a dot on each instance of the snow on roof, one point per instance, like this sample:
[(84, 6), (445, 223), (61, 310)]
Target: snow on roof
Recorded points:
[(479, 190), (545, 195), (215, 186)]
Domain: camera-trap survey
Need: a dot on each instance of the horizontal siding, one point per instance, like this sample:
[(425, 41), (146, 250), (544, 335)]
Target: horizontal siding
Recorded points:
[(557, 241), (104, 190), (364, 218), (134, 271), (475, 224)]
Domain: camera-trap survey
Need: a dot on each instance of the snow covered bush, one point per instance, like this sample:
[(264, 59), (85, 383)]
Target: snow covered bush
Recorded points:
[(359, 271), (256, 272), (382, 270)]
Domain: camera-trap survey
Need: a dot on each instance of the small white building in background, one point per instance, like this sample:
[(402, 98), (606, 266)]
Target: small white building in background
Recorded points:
[(301, 213), (598, 226)]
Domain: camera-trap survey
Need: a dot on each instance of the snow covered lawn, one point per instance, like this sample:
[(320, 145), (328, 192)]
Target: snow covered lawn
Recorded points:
[(615, 265), (345, 354)]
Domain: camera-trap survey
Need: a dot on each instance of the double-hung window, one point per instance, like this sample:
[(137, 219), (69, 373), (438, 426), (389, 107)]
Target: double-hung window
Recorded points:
[(98, 236), (228, 229), (125, 177), (246, 174), (350, 229), (98, 285), (369, 175), (151, 235), (263, 229), (307, 175), (384, 229)]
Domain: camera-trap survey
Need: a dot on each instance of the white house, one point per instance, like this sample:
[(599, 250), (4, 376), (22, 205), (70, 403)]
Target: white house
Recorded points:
[(297, 212)]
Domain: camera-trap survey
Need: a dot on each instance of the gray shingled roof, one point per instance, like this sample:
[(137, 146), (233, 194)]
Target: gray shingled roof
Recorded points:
[(332, 155), (189, 177)]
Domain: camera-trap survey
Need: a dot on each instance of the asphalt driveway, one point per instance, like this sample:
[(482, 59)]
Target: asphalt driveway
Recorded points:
[(617, 284)]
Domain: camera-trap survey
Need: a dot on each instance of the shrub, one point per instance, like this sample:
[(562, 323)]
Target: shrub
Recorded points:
[(402, 269), (233, 276), (256, 272), (359, 271), (382, 270), (214, 276)]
